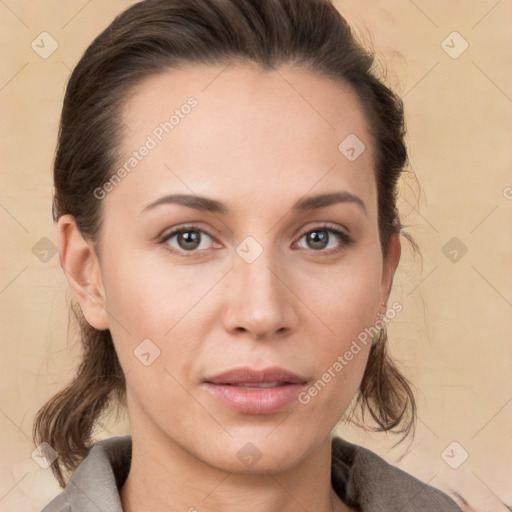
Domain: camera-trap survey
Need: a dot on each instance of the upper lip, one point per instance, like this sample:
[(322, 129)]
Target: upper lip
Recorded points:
[(250, 375)]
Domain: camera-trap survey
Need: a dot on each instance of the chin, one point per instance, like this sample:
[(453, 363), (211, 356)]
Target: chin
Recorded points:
[(259, 451)]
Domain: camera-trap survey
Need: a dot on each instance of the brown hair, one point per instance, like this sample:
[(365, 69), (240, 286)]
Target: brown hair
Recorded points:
[(155, 36)]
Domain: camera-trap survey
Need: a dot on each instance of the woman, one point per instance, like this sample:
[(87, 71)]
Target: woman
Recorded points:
[(225, 192)]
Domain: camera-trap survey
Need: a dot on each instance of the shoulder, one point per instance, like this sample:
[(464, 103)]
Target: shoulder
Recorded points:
[(59, 504), (364, 478), (96, 481)]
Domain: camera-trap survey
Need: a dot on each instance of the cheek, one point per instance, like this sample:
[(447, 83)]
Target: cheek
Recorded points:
[(345, 298), (150, 297), (345, 301), (155, 326)]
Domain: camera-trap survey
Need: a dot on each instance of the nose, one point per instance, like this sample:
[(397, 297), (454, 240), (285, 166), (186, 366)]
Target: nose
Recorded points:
[(259, 300)]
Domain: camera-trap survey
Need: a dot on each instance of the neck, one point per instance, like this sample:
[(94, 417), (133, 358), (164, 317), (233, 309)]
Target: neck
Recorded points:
[(163, 474)]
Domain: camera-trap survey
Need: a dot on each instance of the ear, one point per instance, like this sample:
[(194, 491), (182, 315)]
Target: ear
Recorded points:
[(390, 264), (81, 267)]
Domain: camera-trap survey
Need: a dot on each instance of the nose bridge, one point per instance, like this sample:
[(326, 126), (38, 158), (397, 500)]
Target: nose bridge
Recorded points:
[(260, 301)]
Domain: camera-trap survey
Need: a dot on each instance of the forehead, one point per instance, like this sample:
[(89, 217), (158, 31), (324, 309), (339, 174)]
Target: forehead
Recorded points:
[(248, 129), (248, 89)]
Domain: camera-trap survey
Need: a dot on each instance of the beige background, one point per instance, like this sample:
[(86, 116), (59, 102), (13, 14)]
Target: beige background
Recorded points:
[(453, 336)]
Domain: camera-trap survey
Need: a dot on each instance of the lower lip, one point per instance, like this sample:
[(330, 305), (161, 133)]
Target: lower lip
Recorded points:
[(255, 401)]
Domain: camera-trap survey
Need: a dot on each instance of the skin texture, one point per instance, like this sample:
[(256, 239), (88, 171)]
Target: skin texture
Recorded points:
[(258, 142)]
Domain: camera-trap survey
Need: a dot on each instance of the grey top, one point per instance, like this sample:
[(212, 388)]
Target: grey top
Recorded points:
[(360, 477)]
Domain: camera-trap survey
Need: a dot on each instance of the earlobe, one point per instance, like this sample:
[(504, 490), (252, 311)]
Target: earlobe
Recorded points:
[(390, 264), (81, 267)]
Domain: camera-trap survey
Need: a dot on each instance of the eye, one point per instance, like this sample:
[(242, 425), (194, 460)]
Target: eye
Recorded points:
[(326, 239), (187, 239)]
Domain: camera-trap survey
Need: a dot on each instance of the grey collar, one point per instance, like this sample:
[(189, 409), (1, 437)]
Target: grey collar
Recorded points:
[(361, 478)]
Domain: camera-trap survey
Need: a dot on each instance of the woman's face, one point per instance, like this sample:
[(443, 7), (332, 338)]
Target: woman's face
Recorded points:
[(259, 278)]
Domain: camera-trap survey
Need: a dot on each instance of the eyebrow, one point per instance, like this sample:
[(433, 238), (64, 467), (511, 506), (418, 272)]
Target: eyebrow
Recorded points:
[(214, 206)]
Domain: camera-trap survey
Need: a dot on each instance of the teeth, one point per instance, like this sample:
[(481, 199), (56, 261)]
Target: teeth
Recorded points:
[(258, 384)]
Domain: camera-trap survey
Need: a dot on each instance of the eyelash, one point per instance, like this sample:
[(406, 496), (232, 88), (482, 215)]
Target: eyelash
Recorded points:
[(346, 239)]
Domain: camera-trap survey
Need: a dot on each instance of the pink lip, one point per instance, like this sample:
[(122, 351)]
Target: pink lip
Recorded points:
[(233, 389)]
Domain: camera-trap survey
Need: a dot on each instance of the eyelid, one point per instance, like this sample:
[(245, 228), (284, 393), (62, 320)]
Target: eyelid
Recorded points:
[(323, 225), (172, 232)]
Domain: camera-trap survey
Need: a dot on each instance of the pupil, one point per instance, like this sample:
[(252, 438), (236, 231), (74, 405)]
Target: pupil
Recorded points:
[(319, 239), (191, 238)]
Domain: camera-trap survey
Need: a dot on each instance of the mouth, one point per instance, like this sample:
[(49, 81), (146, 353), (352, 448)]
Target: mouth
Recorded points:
[(251, 391)]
